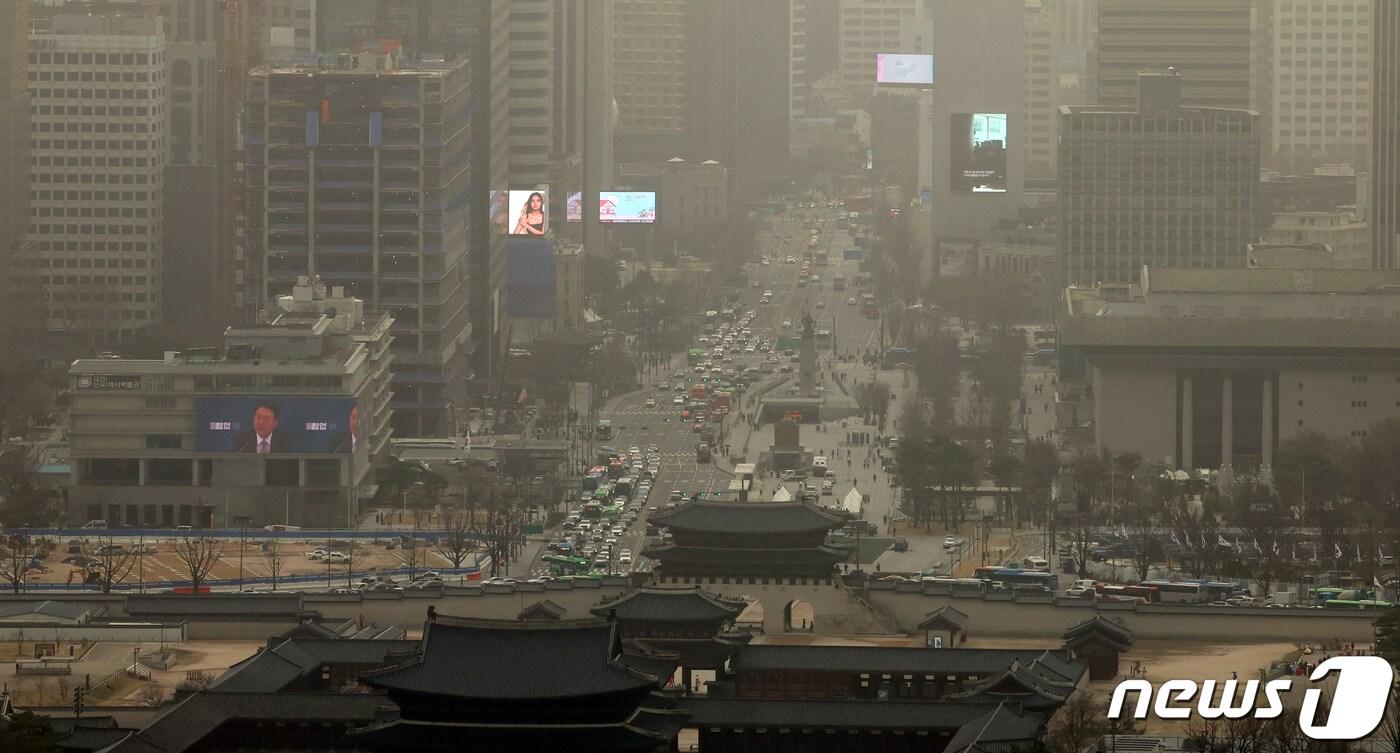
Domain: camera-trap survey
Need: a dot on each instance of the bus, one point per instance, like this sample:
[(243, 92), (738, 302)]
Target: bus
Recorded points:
[(1143, 594), (564, 565), (1184, 592), (1036, 564), (895, 356), (604, 430), (702, 453), (1358, 604), (694, 356), (958, 585), (822, 258), (823, 338), (1014, 578)]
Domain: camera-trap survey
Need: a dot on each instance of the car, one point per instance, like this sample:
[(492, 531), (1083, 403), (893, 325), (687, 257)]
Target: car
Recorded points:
[(685, 413), (650, 402), (624, 559), (698, 427), (950, 542), (900, 545), (317, 554), (787, 324), (821, 304), (850, 301)]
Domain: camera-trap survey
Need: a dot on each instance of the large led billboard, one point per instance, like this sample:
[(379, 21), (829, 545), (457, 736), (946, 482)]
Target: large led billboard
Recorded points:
[(530, 278), (573, 207), (627, 207), (527, 212), (979, 142), (276, 426), (899, 69)]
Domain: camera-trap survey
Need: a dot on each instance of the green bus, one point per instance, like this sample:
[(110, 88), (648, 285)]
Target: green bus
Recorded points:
[(562, 565), (694, 356), (1358, 604)]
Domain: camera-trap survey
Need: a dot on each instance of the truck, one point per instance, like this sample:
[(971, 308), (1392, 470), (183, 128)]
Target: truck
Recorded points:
[(702, 453)]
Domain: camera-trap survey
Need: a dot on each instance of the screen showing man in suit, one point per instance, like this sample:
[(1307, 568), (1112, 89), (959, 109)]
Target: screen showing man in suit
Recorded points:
[(278, 425), (979, 143)]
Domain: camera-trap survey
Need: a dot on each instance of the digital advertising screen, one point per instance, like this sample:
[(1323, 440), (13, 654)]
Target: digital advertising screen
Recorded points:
[(573, 207), (498, 211), (277, 425), (979, 143), (627, 207), (899, 69), (527, 212)]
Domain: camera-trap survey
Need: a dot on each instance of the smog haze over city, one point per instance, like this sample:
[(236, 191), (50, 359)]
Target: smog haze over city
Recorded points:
[(643, 376)]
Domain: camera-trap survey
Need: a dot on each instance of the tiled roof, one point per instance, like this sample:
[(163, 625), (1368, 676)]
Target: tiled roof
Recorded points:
[(1100, 627), (747, 517), (543, 610), (497, 659), (945, 615), (85, 739), (670, 605), (67, 610), (647, 730), (276, 667), (190, 721), (772, 559), (747, 712), (1035, 684), (214, 605), (978, 661), (993, 730)]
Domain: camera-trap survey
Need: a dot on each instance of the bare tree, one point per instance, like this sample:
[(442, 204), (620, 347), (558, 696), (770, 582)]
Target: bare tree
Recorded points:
[(111, 564), (197, 555), (19, 550), (272, 555), (1076, 725), (456, 542), (355, 555)]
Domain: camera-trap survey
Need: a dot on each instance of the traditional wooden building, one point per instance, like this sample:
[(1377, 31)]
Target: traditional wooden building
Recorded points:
[(746, 542), (693, 624), (885, 699), (943, 627), (493, 686), (1099, 641), (543, 609)]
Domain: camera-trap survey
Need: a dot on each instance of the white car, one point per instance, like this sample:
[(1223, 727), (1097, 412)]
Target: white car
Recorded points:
[(650, 403), (337, 558), (678, 400), (850, 301), (317, 554), (950, 542), (625, 558), (821, 304)]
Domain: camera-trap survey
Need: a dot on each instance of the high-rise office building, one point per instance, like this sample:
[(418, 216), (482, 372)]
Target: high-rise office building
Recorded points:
[(100, 146), (649, 78), (1385, 117), (1321, 92), (1159, 184), (866, 27), (705, 80), (1042, 87), (1210, 41), (360, 175), (289, 28), (19, 307), (195, 239)]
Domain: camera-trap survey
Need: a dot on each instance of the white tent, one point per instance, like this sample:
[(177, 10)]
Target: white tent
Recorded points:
[(782, 495), (852, 501)]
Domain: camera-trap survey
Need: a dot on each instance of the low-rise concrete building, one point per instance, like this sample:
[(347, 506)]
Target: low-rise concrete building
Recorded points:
[(1210, 368), (280, 425)]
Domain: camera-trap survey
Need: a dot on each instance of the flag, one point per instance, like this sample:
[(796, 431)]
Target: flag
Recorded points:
[(1376, 579), (1295, 551), (524, 395), (1314, 559), (1204, 544), (1337, 550), (468, 439), (1221, 540), (1358, 552), (1257, 547), (1175, 540), (1276, 549)]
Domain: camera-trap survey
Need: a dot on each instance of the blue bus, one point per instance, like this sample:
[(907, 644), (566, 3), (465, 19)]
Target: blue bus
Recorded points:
[(895, 356)]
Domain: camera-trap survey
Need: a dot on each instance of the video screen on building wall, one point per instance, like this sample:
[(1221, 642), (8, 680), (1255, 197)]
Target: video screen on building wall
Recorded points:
[(278, 425), (573, 207), (627, 207), (527, 212), (979, 143), (900, 69)]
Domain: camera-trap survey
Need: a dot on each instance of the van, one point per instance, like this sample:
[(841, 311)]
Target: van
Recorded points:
[(95, 524), (1036, 564)]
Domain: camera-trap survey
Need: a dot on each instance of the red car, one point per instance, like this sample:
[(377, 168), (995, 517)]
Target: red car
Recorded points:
[(685, 413), (698, 427)]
